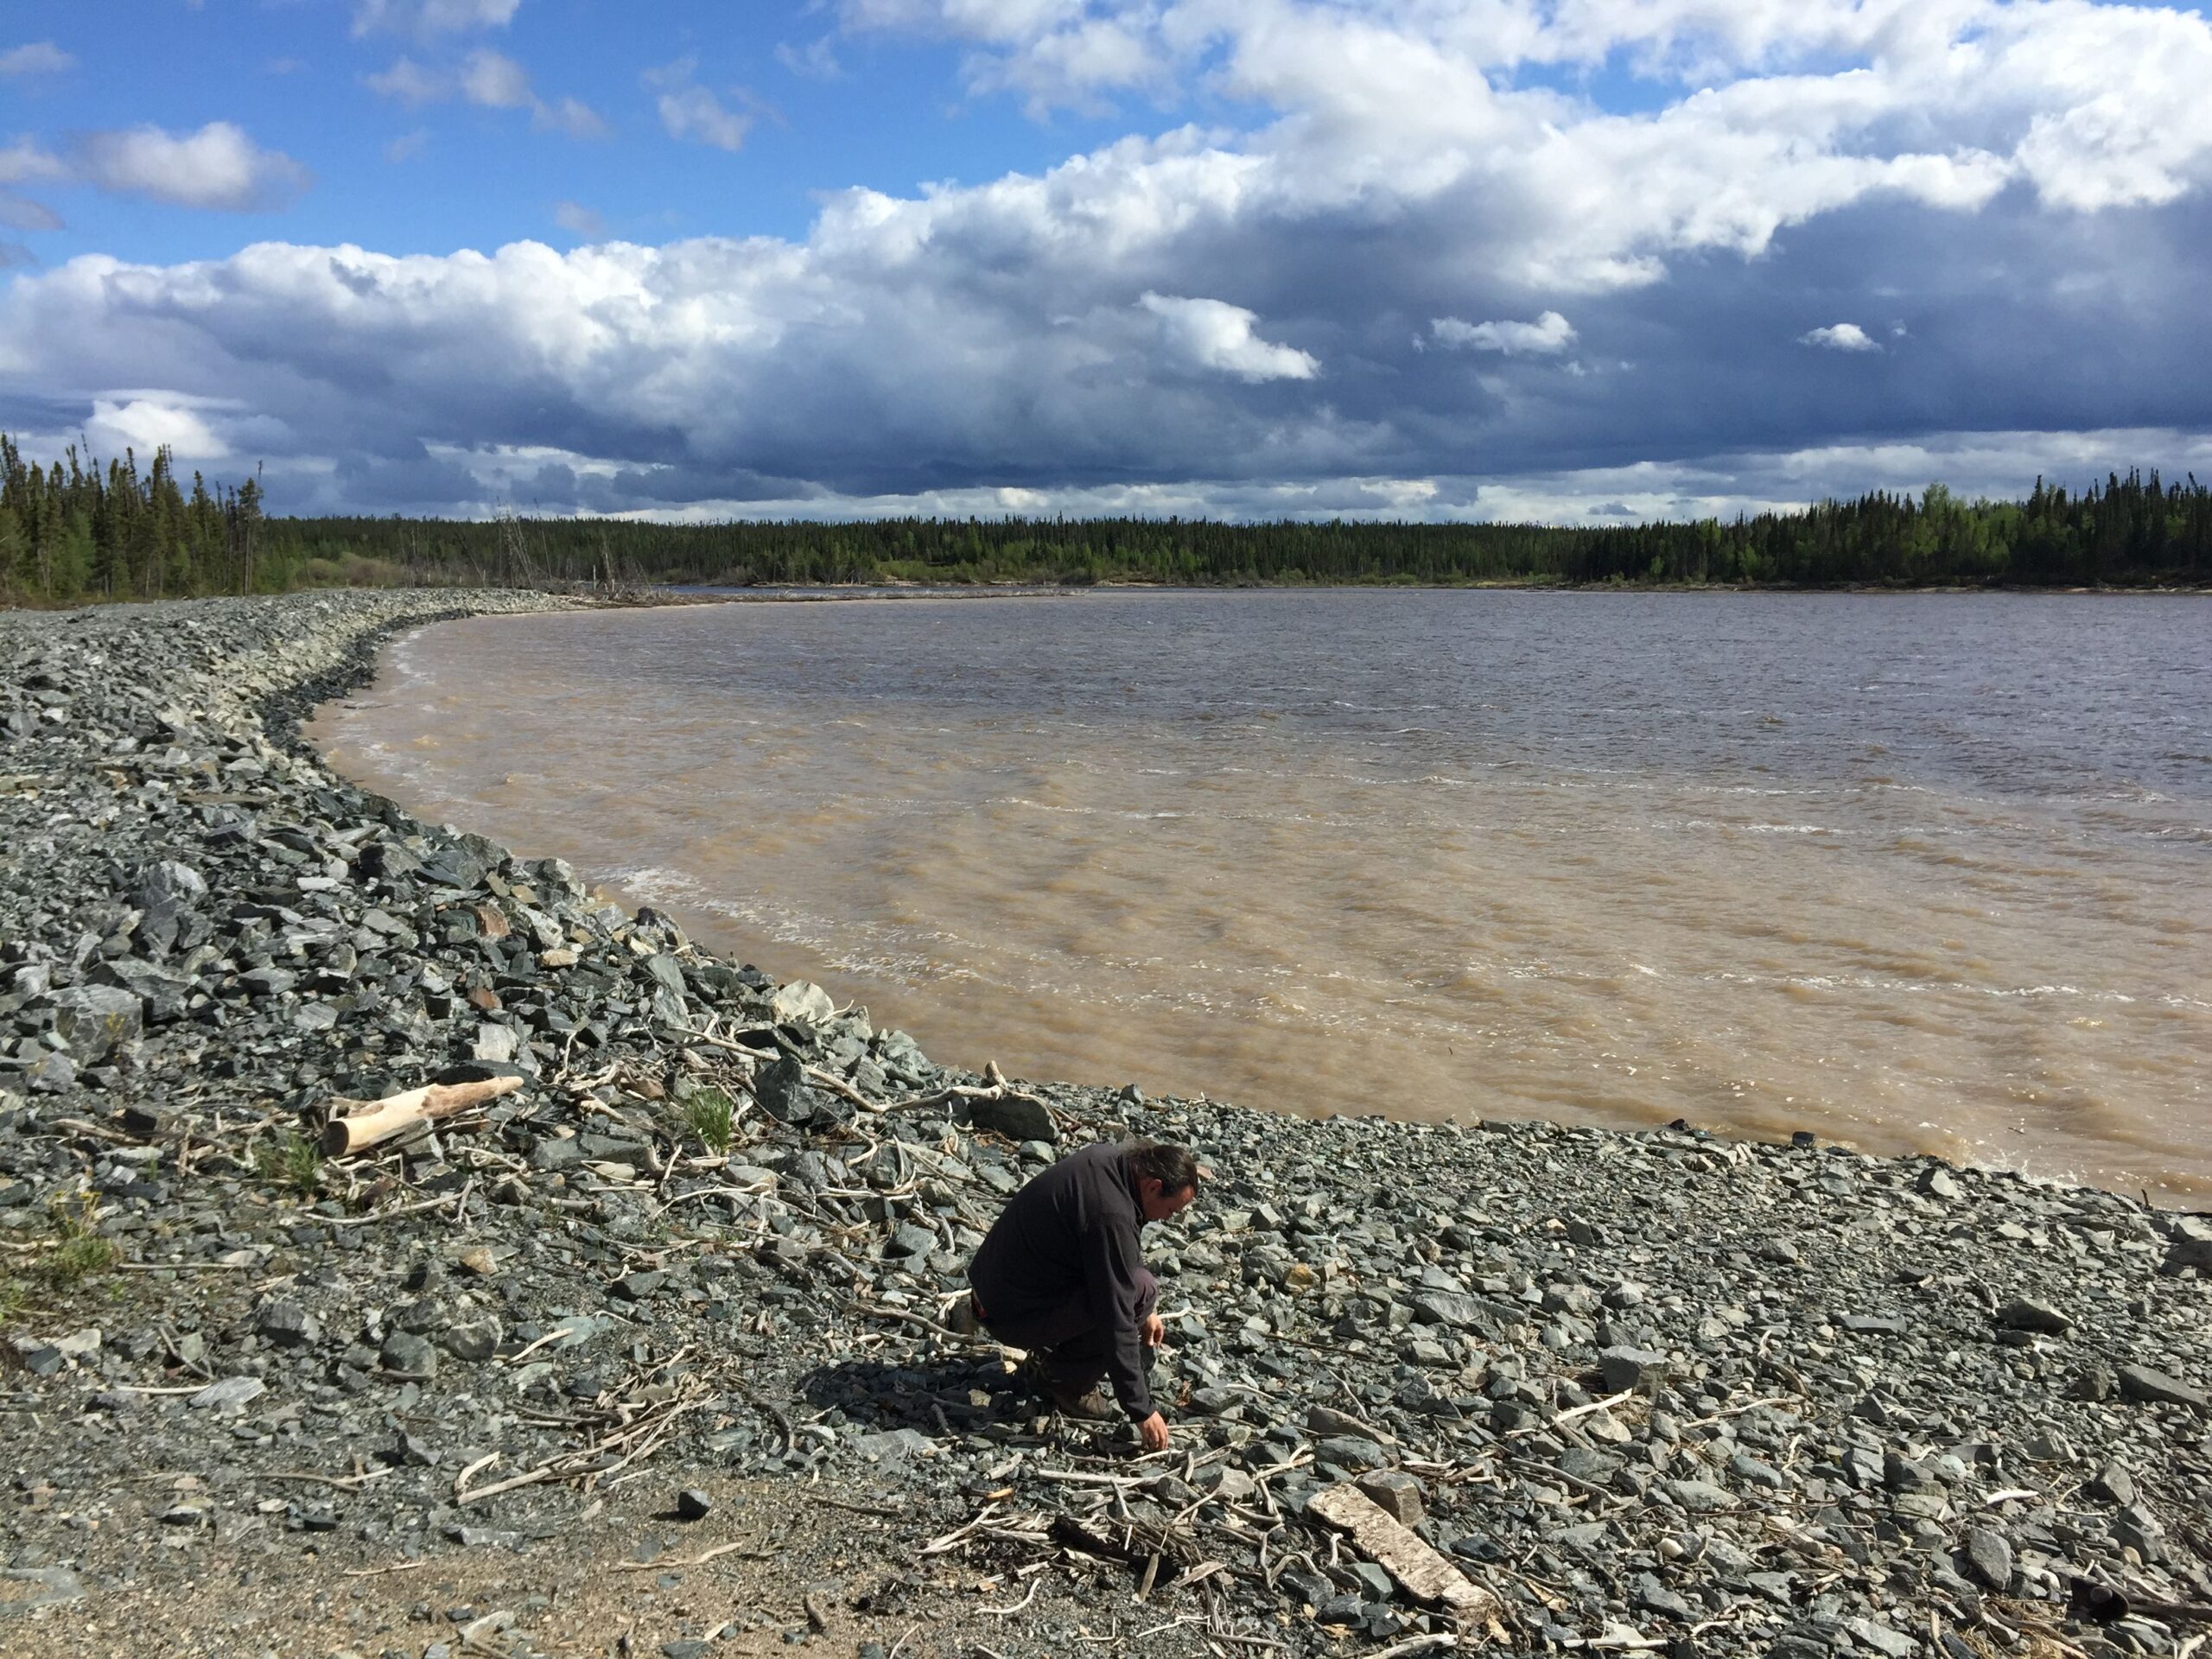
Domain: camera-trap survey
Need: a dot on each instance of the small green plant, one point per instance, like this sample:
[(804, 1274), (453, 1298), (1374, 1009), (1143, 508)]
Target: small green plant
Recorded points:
[(713, 1117), (294, 1161), (81, 1249)]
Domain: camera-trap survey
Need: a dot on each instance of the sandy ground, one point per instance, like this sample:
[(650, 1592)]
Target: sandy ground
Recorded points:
[(787, 1572)]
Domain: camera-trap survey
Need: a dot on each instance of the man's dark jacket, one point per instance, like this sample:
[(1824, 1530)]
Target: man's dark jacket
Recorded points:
[(1062, 1259)]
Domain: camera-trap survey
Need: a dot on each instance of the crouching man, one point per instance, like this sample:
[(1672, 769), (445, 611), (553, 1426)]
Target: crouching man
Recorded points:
[(1060, 1274)]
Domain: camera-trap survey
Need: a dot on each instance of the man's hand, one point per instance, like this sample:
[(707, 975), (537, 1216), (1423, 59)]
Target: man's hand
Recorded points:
[(1155, 1336), (1154, 1432)]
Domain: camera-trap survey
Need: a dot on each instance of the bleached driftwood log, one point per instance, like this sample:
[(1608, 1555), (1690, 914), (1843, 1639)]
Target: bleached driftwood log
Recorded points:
[(379, 1121)]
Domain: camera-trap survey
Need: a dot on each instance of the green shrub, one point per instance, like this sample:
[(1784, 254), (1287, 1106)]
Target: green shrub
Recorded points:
[(713, 1117), (294, 1162)]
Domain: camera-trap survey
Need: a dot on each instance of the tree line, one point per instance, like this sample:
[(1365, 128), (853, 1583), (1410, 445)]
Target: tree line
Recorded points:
[(80, 530)]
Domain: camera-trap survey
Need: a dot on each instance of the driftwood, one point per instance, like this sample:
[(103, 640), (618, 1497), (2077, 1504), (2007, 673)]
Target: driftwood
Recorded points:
[(379, 1121), (1402, 1553), (1141, 1544)]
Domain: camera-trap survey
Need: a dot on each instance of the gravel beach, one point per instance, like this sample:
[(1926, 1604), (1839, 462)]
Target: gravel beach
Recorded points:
[(647, 1355)]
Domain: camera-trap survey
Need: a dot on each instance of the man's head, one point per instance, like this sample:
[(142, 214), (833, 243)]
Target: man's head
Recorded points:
[(1166, 1178)]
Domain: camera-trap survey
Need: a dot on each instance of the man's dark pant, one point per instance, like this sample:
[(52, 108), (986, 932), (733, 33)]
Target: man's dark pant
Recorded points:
[(1067, 1340)]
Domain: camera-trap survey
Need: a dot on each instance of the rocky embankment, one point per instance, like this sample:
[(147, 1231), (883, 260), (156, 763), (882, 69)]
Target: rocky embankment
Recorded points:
[(647, 1355)]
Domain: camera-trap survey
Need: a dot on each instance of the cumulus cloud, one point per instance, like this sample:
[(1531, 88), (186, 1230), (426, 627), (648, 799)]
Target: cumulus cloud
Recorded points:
[(1841, 337), (428, 17), (150, 422), (37, 58), (407, 146), (1214, 335), (218, 167), (1546, 336)]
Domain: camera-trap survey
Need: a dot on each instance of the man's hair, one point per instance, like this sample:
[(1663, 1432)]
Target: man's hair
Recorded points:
[(1172, 1166)]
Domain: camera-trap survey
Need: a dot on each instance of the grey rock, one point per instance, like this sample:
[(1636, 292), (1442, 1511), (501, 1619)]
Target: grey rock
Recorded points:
[(407, 1355), (268, 982), (692, 1505), (910, 1240), (2142, 1382), (2023, 1315), (1639, 1369), (802, 1003), (1230, 1484), (1990, 1555), (494, 1043), (31, 1588), (1396, 1493), (1655, 1597), (1014, 1117), (230, 1393), (473, 1343), (287, 1325), (1882, 1638), (1350, 1452), (161, 994), (1450, 1309), (1698, 1496), (784, 1093), (2114, 1484), (95, 1020)]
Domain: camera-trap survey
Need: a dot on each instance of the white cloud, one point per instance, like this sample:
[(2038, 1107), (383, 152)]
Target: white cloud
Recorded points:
[(22, 213), (409, 82), (1547, 335), (494, 81), (38, 57), (570, 116), (1214, 335), (431, 16), (1841, 337), (218, 167), (149, 423), (24, 162), (1791, 109), (407, 146), (578, 219), (690, 113), (816, 60), (489, 81)]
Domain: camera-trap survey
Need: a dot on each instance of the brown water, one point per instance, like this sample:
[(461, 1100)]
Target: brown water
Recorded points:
[(1917, 873)]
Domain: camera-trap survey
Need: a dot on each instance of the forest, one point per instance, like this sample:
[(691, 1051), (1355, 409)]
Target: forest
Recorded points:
[(79, 530)]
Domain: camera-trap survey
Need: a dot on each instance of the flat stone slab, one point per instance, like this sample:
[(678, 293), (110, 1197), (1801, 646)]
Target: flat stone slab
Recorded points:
[(1425, 1575)]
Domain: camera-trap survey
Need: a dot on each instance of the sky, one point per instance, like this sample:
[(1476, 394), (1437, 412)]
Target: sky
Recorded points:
[(1572, 260)]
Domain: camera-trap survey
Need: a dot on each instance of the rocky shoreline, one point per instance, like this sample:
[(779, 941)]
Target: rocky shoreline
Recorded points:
[(646, 1355)]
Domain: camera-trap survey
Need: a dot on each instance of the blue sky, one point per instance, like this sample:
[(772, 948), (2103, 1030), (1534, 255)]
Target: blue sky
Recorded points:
[(429, 177), (1574, 259)]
